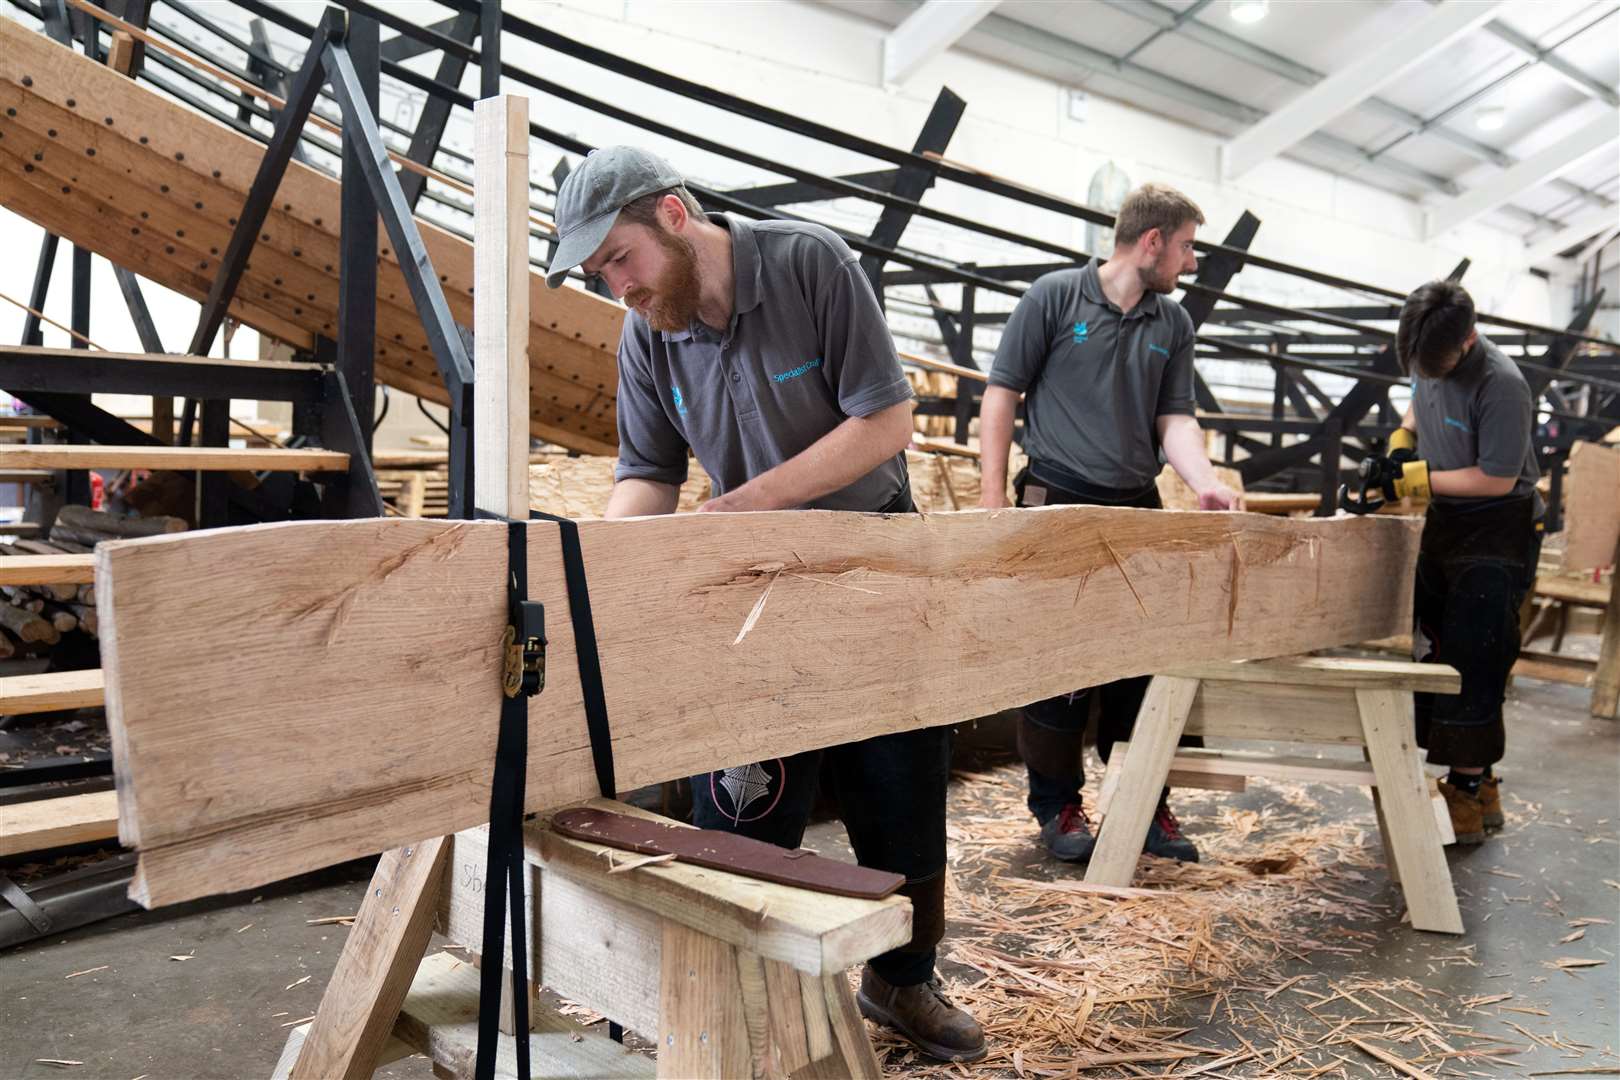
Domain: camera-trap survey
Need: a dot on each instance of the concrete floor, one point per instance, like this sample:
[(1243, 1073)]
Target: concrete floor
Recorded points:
[(253, 963)]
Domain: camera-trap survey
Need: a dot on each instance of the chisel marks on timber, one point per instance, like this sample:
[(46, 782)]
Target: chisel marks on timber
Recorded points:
[(1081, 588), (1129, 584), (1316, 557), (1232, 594)]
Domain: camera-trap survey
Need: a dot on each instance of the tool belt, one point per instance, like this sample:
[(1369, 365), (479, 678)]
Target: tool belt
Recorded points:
[(1042, 483)]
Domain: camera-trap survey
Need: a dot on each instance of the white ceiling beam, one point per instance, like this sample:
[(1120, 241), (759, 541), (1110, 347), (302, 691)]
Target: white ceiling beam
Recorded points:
[(926, 33), (1578, 229), (1356, 82), (1603, 132), (1597, 243)]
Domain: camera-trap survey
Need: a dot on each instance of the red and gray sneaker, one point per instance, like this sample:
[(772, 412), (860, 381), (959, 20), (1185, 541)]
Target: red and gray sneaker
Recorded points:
[(1068, 835), (1164, 837)]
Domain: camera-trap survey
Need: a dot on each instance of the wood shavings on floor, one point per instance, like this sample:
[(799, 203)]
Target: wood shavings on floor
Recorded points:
[(1249, 963)]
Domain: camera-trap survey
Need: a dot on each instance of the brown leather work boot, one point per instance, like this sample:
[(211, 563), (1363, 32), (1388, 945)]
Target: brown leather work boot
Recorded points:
[(1490, 803), (1467, 818), (923, 1015)]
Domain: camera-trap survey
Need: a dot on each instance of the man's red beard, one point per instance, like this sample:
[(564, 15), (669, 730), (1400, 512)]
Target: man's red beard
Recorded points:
[(672, 302)]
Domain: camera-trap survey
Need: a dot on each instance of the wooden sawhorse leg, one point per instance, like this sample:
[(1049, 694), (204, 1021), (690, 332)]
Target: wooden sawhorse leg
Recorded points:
[(725, 1011), (1405, 813), (386, 943), (1606, 680), (1159, 725)]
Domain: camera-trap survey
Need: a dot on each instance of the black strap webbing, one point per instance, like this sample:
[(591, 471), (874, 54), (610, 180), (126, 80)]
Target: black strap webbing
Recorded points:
[(590, 662), (506, 794), (505, 861)]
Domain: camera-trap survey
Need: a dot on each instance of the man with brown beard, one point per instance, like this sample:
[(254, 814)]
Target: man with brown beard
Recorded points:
[(1104, 361), (759, 346)]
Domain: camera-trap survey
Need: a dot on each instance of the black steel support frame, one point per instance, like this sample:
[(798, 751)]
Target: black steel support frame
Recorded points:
[(357, 237), (882, 190), (100, 426), (913, 181), (372, 188), (55, 386), (1319, 445), (444, 338), (32, 333), (68, 373), (436, 110), (70, 899), (432, 37)]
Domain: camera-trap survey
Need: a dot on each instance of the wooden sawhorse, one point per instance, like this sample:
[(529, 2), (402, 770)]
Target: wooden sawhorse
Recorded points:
[(1366, 703), (727, 976)]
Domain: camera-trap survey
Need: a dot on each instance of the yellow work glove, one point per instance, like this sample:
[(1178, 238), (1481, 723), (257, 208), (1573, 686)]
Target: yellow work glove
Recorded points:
[(1413, 482)]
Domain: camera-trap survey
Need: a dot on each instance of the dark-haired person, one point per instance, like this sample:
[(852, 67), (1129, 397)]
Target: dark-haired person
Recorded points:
[(1104, 361), (1466, 442), (760, 346)]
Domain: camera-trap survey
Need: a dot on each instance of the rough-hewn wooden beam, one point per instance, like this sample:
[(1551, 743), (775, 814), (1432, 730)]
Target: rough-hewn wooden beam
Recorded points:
[(286, 696)]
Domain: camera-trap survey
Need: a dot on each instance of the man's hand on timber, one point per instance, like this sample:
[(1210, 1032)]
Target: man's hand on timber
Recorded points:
[(736, 501), (992, 498), (1219, 497)]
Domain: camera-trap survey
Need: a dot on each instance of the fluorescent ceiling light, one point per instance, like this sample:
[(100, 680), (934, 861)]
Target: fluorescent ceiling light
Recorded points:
[(1250, 11), (1490, 118)]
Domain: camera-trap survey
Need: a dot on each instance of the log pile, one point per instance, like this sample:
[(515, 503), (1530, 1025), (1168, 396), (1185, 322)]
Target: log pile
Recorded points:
[(35, 617)]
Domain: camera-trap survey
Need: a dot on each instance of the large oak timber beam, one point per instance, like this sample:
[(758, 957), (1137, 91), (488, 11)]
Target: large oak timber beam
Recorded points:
[(394, 628)]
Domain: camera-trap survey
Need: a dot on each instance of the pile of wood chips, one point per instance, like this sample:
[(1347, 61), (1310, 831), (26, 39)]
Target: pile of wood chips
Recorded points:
[(1245, 964)]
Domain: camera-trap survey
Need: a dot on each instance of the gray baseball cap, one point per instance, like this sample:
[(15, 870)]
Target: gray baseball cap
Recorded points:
[(591, 197)]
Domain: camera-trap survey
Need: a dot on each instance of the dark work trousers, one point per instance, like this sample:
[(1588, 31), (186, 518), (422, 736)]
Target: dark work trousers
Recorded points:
[(891, 797), (1474, 567), (1050, 732)]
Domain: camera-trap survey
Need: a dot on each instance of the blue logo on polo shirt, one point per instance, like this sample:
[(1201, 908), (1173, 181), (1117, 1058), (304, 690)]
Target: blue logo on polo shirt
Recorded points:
[(1081, 331), (803, 369), (680, 402), (1159, 349), (1458, 424)]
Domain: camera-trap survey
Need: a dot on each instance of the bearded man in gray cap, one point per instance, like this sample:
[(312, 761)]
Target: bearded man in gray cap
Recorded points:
[(760, 347)]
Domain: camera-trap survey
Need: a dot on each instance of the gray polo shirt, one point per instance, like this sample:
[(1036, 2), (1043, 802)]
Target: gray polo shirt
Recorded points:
[(807, 348), (1095, 379), (1479, 414)]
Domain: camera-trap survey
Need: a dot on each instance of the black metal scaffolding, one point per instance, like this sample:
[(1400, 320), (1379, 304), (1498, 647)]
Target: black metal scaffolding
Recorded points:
[(1298, 444)]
